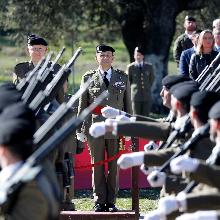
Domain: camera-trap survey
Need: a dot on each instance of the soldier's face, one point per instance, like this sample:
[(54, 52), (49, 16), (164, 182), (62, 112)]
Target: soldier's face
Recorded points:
[(138, 57), (190, 25), (37, 52), (166, 97), (105, 59)]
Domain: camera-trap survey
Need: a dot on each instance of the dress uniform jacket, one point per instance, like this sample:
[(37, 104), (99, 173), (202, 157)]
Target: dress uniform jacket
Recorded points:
[(105, 186), (119, 95), (141, 80), (182, 43)]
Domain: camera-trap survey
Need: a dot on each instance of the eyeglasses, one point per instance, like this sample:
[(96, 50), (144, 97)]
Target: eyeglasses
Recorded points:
[(35, 49)]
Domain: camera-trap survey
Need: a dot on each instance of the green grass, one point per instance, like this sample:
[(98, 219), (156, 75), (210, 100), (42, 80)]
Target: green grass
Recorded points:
[(148, 199)]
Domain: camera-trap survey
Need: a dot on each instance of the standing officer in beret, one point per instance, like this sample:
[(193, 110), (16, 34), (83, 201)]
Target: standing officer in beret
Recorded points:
[(105, 186), (37, 48), (184, 42), (141, 77)]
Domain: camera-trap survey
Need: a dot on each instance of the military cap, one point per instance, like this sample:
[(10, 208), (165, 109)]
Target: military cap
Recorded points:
[(190, 18), (204, 99), (184, 90), (169, 81), (8, 95), (103, 48), (17, 125), (139, 50), (36, 40), (214, 112)]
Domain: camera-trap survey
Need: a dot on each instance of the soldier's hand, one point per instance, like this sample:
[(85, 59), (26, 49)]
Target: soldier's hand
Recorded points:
[(81, 137), (126, 161), (97, 129), (199, 215), (156, 178), (183, 163), (150, 146), (109, 112), (155, 215), (168, 205)]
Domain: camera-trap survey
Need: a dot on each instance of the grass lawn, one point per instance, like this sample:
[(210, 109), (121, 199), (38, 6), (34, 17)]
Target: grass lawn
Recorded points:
[(148, 199)]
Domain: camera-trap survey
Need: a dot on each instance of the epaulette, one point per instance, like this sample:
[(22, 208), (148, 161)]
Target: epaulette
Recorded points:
[(90, 72), (20, 65)]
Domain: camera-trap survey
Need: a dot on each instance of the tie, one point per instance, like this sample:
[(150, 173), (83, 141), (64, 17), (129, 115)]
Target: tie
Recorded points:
[(140, 67), (106, 80)]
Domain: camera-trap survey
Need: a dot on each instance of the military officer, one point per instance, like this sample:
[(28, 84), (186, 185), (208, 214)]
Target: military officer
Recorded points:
[(141, 77), (117, 84), (37, 48), (184, 42)]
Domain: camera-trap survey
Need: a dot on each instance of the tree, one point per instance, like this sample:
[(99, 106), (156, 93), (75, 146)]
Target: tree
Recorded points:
[(150, 23)]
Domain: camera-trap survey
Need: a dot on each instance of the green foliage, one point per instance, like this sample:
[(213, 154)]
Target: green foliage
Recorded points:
[(148, 199)]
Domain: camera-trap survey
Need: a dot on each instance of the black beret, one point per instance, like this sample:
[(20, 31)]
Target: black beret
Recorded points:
[(103, 48), (36, 40), (139, 50), (8, 95), (17, 125), (170, 80), (184, 90), (190, 18), (215, 111), (204, 99)]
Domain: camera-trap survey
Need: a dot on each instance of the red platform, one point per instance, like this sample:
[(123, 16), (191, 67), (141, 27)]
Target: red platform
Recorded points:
[(83, 177)]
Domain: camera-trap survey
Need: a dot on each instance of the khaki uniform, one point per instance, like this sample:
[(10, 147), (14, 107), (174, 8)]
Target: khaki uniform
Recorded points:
[(141, 80), (182, 43), (105, 186)]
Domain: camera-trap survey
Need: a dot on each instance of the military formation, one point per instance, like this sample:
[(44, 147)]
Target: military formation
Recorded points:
[(42, 128)]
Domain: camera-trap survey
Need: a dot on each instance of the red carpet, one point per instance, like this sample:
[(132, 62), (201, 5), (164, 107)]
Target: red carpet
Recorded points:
[(83, 177)]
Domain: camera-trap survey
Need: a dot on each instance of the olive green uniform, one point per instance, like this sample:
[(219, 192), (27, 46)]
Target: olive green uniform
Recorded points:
[(141, 80), (105, 187)]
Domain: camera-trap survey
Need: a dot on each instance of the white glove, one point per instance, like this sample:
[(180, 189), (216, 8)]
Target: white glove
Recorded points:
[(110, 121), (97, 129), (109, 112), (81, 137), (156, 178), (154, 215), (150, 146), (199, 215), (146, 170), (183, 163), (126, 161), (168, 205)]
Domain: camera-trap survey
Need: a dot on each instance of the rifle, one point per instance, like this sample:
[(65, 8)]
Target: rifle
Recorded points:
[(213, 159), (44, 76), (206, 74), (29, 170), (176, 133), (203, 132), (23, 84), (43, 97), (65, 109)]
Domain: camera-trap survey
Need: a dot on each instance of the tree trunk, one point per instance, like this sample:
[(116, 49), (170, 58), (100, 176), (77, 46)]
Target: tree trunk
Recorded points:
[(151, 24)]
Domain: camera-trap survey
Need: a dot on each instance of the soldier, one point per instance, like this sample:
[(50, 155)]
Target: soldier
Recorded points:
[(38, 198), (116, 82), (184, 42), (141, 77), (37, 48)]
